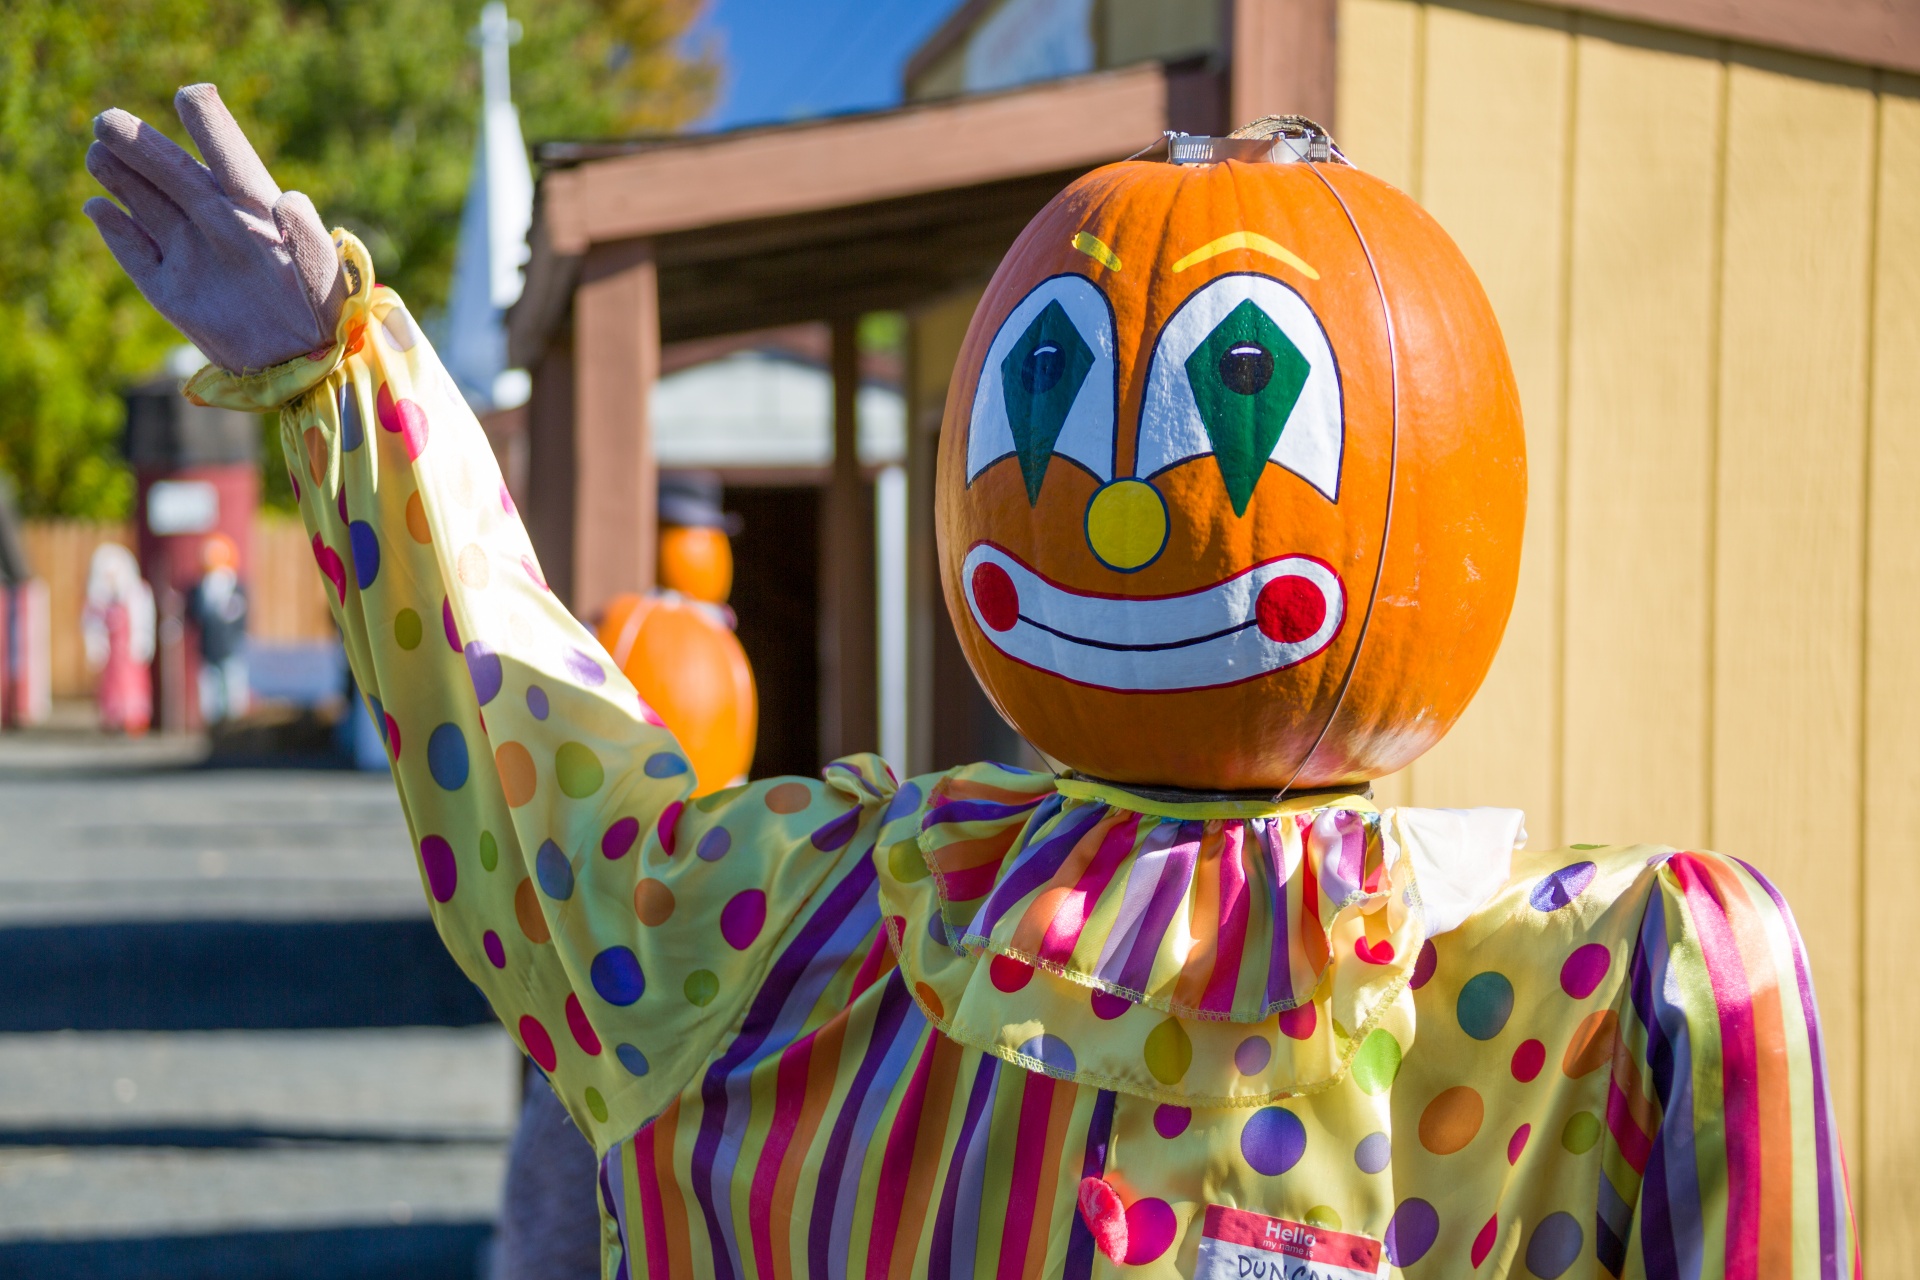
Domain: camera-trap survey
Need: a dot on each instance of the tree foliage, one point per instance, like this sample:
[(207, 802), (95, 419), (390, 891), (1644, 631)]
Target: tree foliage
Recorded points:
[(369, 106)]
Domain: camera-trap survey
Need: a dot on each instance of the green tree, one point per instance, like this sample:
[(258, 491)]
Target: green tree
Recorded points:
[(369, 106)]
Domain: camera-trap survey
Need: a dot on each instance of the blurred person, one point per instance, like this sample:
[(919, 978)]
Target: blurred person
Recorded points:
[(117, 625), (217, 607)]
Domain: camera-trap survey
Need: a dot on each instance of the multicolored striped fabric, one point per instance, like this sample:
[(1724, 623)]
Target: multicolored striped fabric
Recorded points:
[(851, 1026)]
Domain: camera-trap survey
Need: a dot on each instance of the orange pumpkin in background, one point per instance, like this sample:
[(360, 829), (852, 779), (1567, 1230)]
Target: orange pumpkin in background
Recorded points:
[(697, 562), (1232, 477), (690, 668)]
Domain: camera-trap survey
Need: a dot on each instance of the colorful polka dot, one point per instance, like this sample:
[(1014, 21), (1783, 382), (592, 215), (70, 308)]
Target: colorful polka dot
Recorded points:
[(1324, 1217), (1170, 1121), (1554, 1245), (1528, 1059), (353, 432), (538, 1044), (527, 913), (405, 418), (471, 567), (584, 669), (1518, 1143), (366, 553), (652, 902), (483, 666), (619, 838), (596, 1105), (447, 757), (1050, 1052), (316, 444), (1374, 1153), (664, 764), (1009, 974), (668, 826), (1414, 1227), (1592, 1045), (489, 851), (929, 1000), (1485, 1004), (583, 1032), (1483, 1243), (1252, 1055), (554, 871), (1580, 1133), (836, 834), (632, 1059), (1169, 1051), (1451, 1120), (331, 568), (1377, 1063), (701, 987), (1298, 1023), (1558, 888), (537, 703), (1273, 1141), (436, 858), (1151, 1227), (407, 629), (447, 627), (514, 763), (616, 976), (578, 770), (1424, 964), (789, 797), (417, 528), (743, 917), (1584, 970), (496, 950), (392, 734)]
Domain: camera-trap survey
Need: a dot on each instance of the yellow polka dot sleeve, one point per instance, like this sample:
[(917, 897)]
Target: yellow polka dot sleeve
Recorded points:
[(619, 932)]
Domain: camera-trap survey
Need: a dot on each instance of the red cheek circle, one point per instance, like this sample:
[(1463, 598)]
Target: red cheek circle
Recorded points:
[(995, 596), (1289, 610)]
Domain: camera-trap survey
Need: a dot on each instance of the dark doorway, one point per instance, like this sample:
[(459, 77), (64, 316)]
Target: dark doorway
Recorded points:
[(776, 593)]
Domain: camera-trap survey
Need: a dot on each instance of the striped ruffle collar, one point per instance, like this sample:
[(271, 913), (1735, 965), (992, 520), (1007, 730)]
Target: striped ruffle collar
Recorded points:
[(1055, 925)]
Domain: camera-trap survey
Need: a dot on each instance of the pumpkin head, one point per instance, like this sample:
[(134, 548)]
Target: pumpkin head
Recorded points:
[(688, 666), (697, 562), (1232, 479)]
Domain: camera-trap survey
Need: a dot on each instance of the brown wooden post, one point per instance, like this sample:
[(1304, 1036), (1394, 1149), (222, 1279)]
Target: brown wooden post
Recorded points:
[(849, 680), (1282, 60), (616, 362), (925, 612), (549, 500)]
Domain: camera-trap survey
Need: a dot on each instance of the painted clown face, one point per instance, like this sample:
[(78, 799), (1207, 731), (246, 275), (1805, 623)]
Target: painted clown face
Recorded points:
[(1232, 479)]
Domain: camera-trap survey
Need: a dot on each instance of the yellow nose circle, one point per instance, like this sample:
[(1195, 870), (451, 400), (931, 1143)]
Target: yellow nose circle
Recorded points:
[(1127, 524)]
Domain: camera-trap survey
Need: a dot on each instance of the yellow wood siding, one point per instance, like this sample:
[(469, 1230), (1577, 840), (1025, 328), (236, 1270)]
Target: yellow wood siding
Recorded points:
[(1706, 259)]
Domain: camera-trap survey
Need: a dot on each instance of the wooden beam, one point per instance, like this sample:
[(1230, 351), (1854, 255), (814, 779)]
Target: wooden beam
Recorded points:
[(616, 362), (849, 682), (1870, 33), (762, 173), (1282, 58), (549, 498)]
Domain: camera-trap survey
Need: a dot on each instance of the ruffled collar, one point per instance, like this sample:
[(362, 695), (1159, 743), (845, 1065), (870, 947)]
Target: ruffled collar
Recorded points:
[(1219, 951)]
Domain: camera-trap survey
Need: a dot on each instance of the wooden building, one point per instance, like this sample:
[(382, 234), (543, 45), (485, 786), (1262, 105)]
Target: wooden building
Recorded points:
[(1699, 222)]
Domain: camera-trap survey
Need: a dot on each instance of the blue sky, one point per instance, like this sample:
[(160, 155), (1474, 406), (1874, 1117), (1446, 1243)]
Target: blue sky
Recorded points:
[(786, 58)]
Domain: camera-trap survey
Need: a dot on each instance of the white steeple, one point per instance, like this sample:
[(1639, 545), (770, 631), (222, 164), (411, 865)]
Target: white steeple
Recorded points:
[(487, 267)]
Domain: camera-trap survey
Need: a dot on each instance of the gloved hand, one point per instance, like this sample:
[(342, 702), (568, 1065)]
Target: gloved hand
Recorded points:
[(248, 274)]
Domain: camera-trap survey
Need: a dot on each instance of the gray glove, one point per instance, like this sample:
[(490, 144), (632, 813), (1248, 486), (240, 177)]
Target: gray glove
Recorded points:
[(248, 274)]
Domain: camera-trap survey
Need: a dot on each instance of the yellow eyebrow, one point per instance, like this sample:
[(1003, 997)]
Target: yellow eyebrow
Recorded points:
[(1248, 240), (1092, 246)]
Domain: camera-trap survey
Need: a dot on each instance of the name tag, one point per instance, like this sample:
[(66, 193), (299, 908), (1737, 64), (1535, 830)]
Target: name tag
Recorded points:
[(1238, 1245)]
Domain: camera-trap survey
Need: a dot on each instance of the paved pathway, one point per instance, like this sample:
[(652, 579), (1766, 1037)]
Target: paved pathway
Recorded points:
[(150, 906)]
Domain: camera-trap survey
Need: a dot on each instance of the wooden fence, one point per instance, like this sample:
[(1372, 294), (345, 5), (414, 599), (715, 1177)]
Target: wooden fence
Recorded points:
[(286, 596)]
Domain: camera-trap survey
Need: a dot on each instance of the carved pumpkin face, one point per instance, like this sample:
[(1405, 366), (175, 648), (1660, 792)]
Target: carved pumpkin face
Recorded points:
[(1232, 480)]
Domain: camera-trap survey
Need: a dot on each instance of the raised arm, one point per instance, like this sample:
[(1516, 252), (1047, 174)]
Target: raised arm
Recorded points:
[(618, 932)]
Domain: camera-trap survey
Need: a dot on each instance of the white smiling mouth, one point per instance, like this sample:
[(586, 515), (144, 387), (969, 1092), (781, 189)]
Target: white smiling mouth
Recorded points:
[(1265, 618)]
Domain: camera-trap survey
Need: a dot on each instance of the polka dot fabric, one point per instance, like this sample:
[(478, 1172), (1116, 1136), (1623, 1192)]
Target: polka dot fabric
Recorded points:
[(849, 1027)]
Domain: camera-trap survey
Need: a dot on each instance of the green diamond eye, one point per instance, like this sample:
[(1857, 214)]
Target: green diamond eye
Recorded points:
[(1040, 379), (1246, 377)]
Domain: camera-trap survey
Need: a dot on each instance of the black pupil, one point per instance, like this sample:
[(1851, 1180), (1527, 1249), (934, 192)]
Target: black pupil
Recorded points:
[(1246, 368), (1046, 362)]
